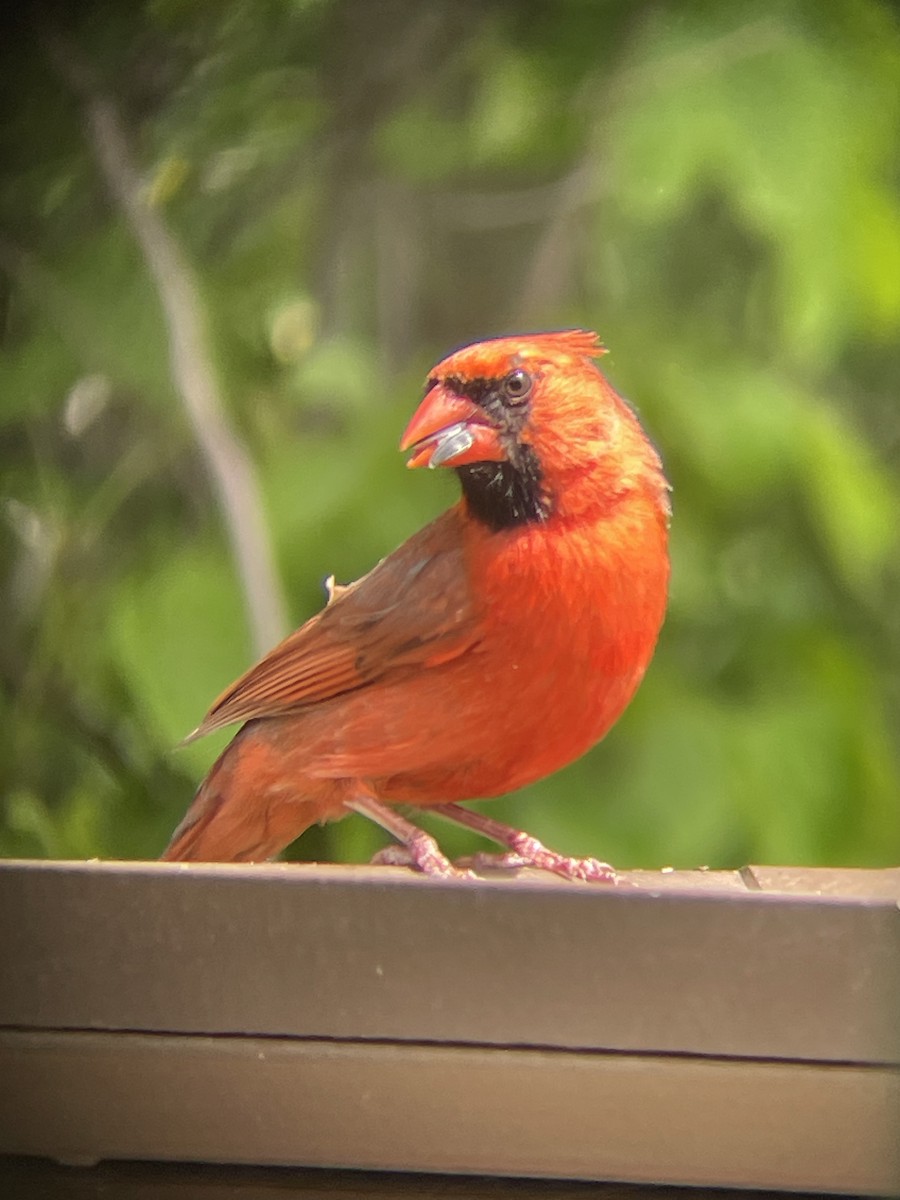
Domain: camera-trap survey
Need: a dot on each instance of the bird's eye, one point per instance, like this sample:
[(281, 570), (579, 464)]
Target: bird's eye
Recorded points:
[(517, 386)]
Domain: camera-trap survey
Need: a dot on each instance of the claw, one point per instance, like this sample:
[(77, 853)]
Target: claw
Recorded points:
[(429, 860), (526, 851)]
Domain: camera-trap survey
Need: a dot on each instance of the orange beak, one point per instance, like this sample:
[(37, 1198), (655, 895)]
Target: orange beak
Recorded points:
[(449, 431)]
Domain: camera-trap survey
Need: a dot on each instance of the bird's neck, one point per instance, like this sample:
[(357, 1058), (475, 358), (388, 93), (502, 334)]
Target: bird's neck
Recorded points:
[(606, 569)]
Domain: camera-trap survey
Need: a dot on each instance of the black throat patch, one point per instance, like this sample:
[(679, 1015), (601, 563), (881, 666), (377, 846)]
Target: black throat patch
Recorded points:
[(503, 495)]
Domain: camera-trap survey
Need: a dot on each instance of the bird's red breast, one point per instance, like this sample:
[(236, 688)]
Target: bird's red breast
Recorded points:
[(492, 648)]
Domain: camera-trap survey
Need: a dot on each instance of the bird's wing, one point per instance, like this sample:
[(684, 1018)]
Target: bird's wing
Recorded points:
[(414, 610)]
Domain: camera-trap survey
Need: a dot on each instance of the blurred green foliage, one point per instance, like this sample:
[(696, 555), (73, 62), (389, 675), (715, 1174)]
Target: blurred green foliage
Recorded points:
[(358, 187)]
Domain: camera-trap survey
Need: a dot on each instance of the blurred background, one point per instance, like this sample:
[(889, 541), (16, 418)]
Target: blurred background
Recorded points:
[(234, 236)]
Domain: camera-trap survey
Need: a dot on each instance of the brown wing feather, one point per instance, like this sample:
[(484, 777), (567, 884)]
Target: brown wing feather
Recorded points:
[(413, 609)]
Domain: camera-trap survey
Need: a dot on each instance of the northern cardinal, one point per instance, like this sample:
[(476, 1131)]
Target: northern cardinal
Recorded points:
[(494, 647)]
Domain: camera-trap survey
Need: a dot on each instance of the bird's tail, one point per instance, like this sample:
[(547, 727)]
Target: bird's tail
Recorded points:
[(243, 812), (206, 835)]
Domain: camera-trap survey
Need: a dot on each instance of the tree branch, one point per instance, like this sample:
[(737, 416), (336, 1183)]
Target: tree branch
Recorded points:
[(229, 465)]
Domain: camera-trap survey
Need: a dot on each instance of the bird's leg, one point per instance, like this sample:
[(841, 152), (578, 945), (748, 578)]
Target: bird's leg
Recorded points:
[(526, 851), (417, 848)]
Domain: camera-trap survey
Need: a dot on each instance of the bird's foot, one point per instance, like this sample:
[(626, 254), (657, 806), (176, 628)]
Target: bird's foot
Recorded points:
[(425, 856), (533, 853), (525, 850), (537, 856), (416, 849)]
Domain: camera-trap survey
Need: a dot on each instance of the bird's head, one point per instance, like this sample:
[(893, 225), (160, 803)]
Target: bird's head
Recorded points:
[(532, 429)]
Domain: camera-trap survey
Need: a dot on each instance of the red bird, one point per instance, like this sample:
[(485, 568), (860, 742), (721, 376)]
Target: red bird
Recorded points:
[(494, 647)]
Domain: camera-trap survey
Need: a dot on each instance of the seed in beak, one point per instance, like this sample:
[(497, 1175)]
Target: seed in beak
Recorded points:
[(453, 440)]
